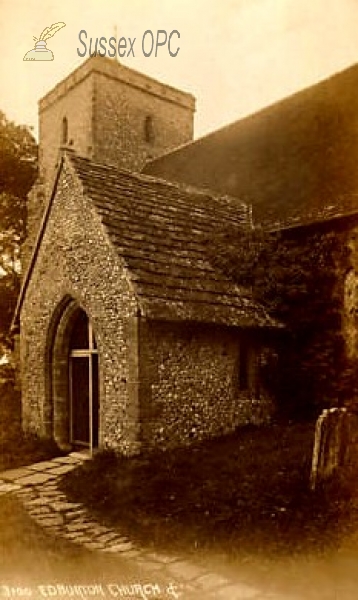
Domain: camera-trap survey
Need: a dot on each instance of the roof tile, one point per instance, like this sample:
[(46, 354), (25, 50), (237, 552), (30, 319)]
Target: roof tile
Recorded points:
[(162, 230)]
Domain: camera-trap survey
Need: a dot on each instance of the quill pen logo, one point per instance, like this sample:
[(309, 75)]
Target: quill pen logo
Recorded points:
[(40, 52)]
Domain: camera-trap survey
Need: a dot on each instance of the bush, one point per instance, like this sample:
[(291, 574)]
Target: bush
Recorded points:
[(16, 448)]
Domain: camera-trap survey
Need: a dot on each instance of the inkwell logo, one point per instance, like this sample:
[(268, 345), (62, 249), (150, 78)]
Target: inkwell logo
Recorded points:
[(40, 52)]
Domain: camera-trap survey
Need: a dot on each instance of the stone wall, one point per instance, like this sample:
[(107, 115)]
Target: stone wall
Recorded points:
[(76, 261), (74, 100), (35, 204), (161, 384), (106, 106), (132, 124), (190, 383)]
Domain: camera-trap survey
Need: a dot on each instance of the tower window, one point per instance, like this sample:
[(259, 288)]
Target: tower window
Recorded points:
[(64, 136), (149, 130)]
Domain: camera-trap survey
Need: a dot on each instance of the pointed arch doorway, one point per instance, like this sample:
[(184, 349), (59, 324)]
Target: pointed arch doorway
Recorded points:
[(83, 384)]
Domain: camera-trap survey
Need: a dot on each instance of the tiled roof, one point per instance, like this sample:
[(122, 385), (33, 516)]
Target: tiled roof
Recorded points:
[(343, 206), (162, 232), (295, 162)]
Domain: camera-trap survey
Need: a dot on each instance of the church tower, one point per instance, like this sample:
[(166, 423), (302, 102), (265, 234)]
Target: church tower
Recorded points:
[(111, 114)]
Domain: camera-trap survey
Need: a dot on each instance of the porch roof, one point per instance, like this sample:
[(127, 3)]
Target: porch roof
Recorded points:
[(163, 231)]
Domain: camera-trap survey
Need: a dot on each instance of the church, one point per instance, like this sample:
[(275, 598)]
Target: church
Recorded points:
[(131, 337)]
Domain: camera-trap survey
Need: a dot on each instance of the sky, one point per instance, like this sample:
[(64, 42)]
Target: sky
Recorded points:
[(235, 56)]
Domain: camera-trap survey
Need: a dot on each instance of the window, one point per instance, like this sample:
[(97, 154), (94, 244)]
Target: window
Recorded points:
[(249, 368), (149, 130), (64, 135), (244, 366)]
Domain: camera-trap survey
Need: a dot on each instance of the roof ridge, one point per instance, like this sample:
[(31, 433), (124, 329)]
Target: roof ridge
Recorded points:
[(139, 214), (232, 201), (325, 80)]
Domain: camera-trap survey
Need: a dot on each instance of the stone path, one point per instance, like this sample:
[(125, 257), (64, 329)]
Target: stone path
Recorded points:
[(37, 488)]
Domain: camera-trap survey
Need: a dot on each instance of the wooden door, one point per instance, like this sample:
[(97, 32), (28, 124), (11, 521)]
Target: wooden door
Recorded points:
[(83, 383)]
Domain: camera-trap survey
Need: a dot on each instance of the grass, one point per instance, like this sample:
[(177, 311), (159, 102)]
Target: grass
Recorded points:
[(17, 449), (242, 494)]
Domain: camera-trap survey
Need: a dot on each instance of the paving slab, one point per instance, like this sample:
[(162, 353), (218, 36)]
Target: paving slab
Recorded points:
[(40, 501), (59, 506), (117, 541), (93, 546), (43, 466), (48, 497), (78, 526), (101, 529), (6, 488), (73, 515), (37, 511), (62, 470), (34, 478), (51, 484), (104, 538), (50, 521), (122, 547), (67, 460), (49, 490), (82, 538), (70, 535), (55, 498), (81, 455), (13, 474)]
